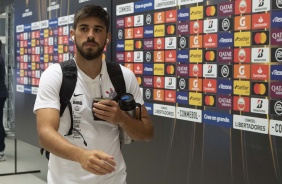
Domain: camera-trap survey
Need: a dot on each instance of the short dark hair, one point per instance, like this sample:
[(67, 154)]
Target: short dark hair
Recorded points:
[(92, 11)]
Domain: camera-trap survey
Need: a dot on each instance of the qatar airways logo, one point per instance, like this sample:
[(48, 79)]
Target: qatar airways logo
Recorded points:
[(120, 57), (226, 9)]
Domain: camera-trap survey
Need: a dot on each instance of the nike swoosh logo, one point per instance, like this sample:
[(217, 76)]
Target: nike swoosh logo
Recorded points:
[(75, 95)]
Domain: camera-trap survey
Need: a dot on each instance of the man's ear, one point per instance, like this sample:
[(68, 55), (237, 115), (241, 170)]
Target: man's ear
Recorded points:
[(109, 36), (72, 35)]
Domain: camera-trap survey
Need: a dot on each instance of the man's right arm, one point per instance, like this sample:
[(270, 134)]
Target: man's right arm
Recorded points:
[(94, 161)]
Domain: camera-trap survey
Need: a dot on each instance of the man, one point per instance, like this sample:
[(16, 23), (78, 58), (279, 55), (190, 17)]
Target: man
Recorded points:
[(3, 96), (101, 161)]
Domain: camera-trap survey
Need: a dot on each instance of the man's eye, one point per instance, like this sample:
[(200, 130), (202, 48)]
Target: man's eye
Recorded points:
[(84, 29), (98, 30)]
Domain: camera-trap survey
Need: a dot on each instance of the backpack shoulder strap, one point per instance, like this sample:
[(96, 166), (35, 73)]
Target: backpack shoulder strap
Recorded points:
[(117, 79), (69, 71)]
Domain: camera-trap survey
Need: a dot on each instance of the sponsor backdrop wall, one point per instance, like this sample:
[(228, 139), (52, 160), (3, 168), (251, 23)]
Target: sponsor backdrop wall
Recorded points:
[(41, 38), (210, 73)]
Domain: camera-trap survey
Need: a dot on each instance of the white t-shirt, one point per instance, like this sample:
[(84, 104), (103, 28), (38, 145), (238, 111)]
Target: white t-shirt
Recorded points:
[(99, 135)]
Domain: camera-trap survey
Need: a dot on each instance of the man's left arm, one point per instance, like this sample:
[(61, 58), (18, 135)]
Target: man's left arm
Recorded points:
[(138, 129)]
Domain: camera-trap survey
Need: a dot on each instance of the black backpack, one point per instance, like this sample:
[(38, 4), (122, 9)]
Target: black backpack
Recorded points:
[(69, 71)]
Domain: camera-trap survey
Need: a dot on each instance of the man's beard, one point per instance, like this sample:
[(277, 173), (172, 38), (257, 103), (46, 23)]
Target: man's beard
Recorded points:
[(90, 54)]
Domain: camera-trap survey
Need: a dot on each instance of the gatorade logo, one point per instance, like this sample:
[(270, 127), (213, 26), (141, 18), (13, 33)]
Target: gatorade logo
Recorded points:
[(195, 84), (158, 56), (159, 17), (158, 95), (128, 33), (196, 41), (242, 71), (242, 22)]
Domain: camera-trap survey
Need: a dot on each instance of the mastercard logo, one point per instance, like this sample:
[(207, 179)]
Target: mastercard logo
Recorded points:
[(170, 29), (209, 100), (138, 44), (259, 89), (139, 80), (170, 69), (210, 56), (210, 11), (50, 57), (66, 48), (260, 38)]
